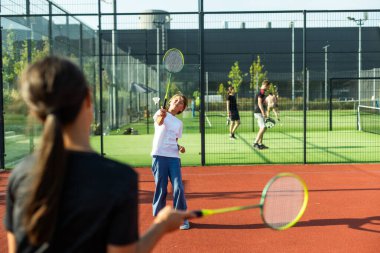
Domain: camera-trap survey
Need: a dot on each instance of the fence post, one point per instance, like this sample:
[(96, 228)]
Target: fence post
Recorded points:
[(100, 73), (202, 80), (2, 139)]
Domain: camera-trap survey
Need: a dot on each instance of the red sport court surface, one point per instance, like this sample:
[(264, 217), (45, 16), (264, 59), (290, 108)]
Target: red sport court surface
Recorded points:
[(343, 213)]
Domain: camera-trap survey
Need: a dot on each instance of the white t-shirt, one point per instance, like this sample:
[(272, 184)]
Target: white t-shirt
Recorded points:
[(166, 135)]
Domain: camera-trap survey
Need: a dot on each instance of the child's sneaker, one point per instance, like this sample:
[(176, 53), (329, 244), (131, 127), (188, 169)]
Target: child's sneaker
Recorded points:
[(185, 225)]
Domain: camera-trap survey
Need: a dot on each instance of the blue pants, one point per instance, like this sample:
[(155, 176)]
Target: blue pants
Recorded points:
[(162, 169)]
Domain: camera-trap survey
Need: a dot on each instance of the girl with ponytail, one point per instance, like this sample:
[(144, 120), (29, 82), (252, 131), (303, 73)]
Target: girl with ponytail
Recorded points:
[(65, 197)]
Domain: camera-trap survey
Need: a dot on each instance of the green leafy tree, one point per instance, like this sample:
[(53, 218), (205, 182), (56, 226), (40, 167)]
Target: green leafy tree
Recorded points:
[(41, 51), (173, 90), (222, 90), (37, 52), (236, 76), (10, 57), (15, 60), (256, 71)]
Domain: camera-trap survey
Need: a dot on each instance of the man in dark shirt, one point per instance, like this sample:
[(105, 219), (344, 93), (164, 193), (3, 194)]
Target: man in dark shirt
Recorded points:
[(260, 110), (232, 112)]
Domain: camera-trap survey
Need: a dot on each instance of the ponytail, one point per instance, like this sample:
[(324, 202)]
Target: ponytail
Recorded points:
[(47, 180), (54, 90)]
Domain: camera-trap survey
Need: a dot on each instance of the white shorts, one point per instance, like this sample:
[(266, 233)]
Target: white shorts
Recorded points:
[(260, 120)]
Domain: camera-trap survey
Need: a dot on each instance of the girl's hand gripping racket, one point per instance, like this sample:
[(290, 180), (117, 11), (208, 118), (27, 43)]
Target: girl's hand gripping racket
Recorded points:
[(282, 204), (173, 61)]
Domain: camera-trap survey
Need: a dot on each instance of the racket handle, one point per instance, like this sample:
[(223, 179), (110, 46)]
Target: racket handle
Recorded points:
[(198, 213)]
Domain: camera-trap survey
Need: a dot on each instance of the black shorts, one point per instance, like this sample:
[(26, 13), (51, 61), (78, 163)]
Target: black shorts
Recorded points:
[(234, 115)]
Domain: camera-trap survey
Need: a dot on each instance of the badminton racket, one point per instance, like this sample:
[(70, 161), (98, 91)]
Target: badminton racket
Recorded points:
[(282, 204), (173, 61), (269, 122)]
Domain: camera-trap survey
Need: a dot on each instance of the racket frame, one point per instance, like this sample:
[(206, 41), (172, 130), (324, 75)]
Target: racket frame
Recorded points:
[(170, 72), (303, 207), (208, 212), (269, 122)]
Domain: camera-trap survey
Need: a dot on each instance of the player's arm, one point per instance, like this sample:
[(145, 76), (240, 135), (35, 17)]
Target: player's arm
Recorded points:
[(261, 106), (11, 242), (166, 221), (161, 117), (180, 148), (268, 101), (228, 107)]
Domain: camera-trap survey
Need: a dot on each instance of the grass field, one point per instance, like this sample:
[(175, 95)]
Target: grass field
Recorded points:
[(344, 144), (286, 141), (328, 147)]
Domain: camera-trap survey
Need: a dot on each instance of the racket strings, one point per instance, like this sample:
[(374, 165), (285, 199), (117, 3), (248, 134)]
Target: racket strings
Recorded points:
[(283, 202), (173, 61)]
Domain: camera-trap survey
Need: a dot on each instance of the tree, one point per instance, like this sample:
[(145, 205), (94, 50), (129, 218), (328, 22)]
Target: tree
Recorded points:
[(173, 90), (15, 60), (37, 52), (257, 74), (9, 60), (235, 76), (222, 90)]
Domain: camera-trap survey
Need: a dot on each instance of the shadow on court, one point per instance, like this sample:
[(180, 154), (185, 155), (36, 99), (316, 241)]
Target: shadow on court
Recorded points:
[(369, 224), (146, 196)]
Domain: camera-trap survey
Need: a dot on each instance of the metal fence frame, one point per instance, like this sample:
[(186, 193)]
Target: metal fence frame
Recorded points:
[(201, 15)]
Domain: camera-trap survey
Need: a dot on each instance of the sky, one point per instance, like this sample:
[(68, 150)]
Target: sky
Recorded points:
[(249, 5), (256, 5), (138, 6), (219, 5)]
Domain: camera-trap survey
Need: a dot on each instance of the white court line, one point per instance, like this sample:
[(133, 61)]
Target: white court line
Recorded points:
[(270, 173), (208, 121)]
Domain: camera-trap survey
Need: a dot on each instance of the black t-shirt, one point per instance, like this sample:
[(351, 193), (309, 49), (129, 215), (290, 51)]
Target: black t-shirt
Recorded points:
[(233, 104), (98, 205), (260, 94)]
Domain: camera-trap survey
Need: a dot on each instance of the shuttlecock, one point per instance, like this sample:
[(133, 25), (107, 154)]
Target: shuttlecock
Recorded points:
[(156, 100)]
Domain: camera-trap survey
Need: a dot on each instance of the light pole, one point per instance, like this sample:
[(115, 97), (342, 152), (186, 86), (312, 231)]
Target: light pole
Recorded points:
[(160, 24), (112, 90), (115, 121), (360, 23), (325, 48)]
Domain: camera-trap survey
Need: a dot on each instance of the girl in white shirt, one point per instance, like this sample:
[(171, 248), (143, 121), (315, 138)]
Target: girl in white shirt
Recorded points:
[(165, 152)]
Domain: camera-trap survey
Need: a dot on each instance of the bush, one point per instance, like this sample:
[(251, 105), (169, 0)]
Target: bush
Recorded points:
[(96, 129), (13, 103)]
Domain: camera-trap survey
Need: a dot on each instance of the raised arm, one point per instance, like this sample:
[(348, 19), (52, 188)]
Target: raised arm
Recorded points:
[(161, 117)]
